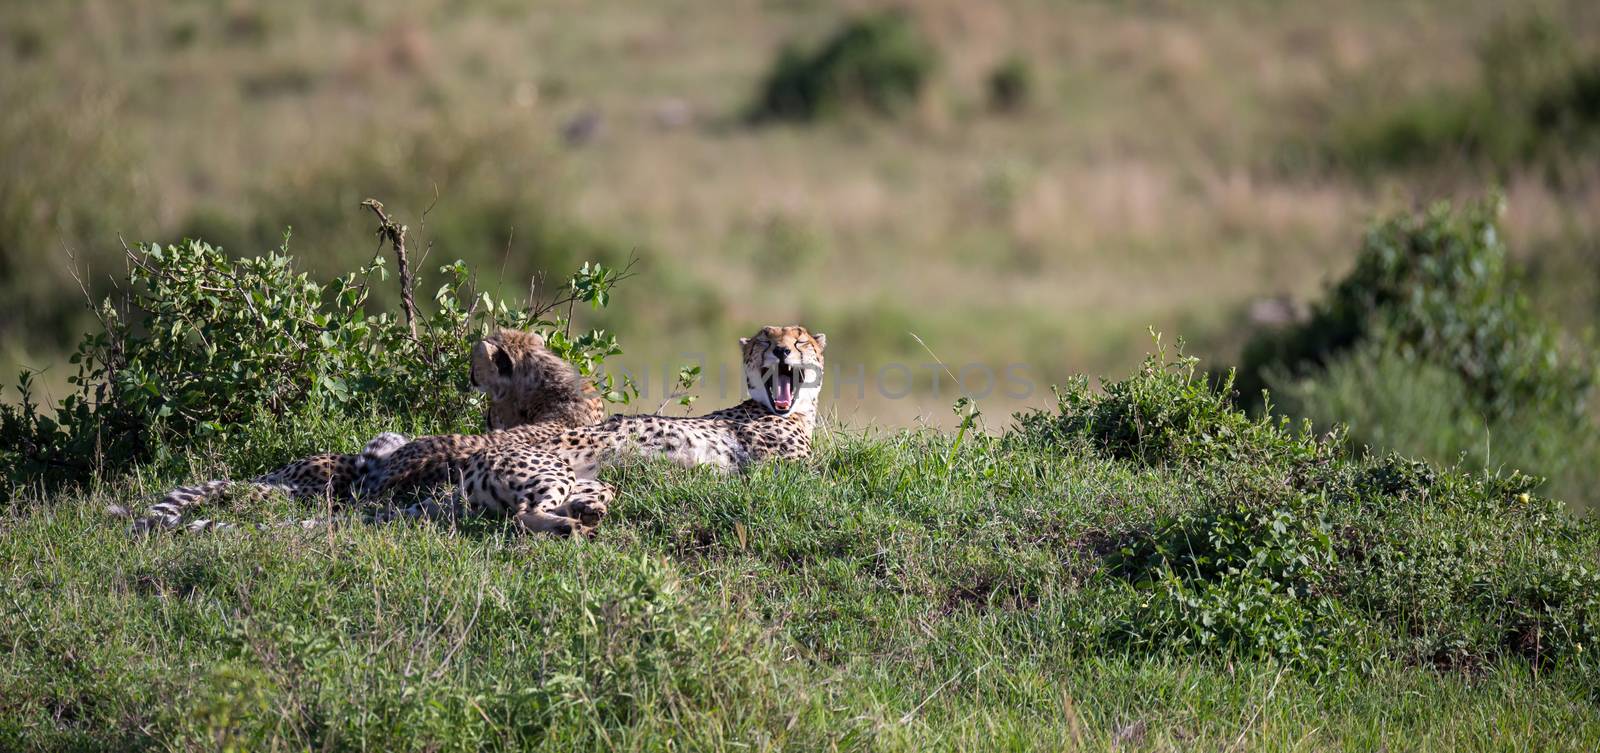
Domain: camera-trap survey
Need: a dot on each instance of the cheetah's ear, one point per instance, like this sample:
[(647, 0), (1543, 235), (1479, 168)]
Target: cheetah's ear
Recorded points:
[(822, 341), (744, 342), (502, 362), (480, 361)]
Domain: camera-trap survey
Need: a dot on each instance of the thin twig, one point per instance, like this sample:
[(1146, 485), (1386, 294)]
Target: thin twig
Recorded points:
[(572, 306), (570, 297), (72, 269), (511, 235), (671, 396), (395, 233), (422, 224)]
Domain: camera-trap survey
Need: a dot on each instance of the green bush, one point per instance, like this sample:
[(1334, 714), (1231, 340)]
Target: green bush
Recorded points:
[(1245, 572), (1536, 100), (204, 343), (1237, 580), (1283, 546), (1011, 85), (1429, 347), (879, 63), (1461, 571), (1169, 413), (1438, 288)]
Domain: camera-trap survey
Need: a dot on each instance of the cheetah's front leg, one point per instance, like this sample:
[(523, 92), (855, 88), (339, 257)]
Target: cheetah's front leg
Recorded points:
[(529, 484), (554, 502), (587, 504)]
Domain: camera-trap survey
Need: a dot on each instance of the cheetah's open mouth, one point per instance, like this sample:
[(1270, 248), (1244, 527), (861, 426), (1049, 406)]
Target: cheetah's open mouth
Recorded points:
[(780, 386)]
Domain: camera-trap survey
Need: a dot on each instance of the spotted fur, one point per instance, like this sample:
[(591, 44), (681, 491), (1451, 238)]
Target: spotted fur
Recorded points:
[(776, 422), (539, 462), (530, 389)]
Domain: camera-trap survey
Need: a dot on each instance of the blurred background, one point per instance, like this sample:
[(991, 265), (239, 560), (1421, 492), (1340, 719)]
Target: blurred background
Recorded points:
[(1014, 181)]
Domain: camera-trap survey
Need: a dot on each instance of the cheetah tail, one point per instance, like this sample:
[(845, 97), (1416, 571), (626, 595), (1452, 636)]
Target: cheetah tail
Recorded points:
[(168, 513)]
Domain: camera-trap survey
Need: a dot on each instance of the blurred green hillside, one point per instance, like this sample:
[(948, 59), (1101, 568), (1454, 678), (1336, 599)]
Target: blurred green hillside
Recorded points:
[(1199, 168)]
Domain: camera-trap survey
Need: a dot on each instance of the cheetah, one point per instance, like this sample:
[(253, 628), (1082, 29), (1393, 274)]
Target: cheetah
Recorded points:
[(783, 374), (529, 388), (542, 471)]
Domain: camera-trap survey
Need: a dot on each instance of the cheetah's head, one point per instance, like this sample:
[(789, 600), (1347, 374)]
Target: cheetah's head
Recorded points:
[(783, 368), (527, 383)]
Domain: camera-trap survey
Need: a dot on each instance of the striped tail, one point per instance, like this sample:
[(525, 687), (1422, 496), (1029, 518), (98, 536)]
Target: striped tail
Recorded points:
[(329, 474), (169, 512)]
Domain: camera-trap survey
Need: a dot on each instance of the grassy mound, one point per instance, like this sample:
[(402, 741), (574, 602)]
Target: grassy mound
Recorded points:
[(1143, 567)]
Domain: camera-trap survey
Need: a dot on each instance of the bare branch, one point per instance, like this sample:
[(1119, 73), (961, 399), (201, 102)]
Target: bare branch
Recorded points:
[(395, 233), (422, 226), (72, 269)]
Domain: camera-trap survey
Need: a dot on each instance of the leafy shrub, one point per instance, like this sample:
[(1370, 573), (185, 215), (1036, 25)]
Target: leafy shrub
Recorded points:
[(878, 62), (1469, 570), (1169, 412), (1245, 571), (1437, 288), (1278, 545), (1552, 608), (204, 343), (1011, 85), (1428, 347), (1241, 580)]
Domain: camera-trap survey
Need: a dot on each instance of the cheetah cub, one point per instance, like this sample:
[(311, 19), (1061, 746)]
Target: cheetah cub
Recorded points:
[(532, 394)]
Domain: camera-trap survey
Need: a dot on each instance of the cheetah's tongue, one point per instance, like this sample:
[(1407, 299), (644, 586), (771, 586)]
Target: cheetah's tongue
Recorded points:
[(782, 392)]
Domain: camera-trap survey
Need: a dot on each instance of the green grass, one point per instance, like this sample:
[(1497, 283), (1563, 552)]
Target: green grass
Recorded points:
[(1144, 569), (1031, 590)]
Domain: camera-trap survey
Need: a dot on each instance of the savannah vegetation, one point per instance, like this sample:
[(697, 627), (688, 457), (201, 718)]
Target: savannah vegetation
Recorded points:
[(1144, 565), (1354, 522)]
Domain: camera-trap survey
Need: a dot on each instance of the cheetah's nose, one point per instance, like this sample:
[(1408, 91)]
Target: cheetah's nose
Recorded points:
[(781, 353)]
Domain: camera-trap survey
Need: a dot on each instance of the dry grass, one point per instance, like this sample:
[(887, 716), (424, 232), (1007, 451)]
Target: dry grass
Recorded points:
[(1146, 188)]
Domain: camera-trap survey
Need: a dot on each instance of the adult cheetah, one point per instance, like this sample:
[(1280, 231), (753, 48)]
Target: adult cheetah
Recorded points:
[(783, 373)]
